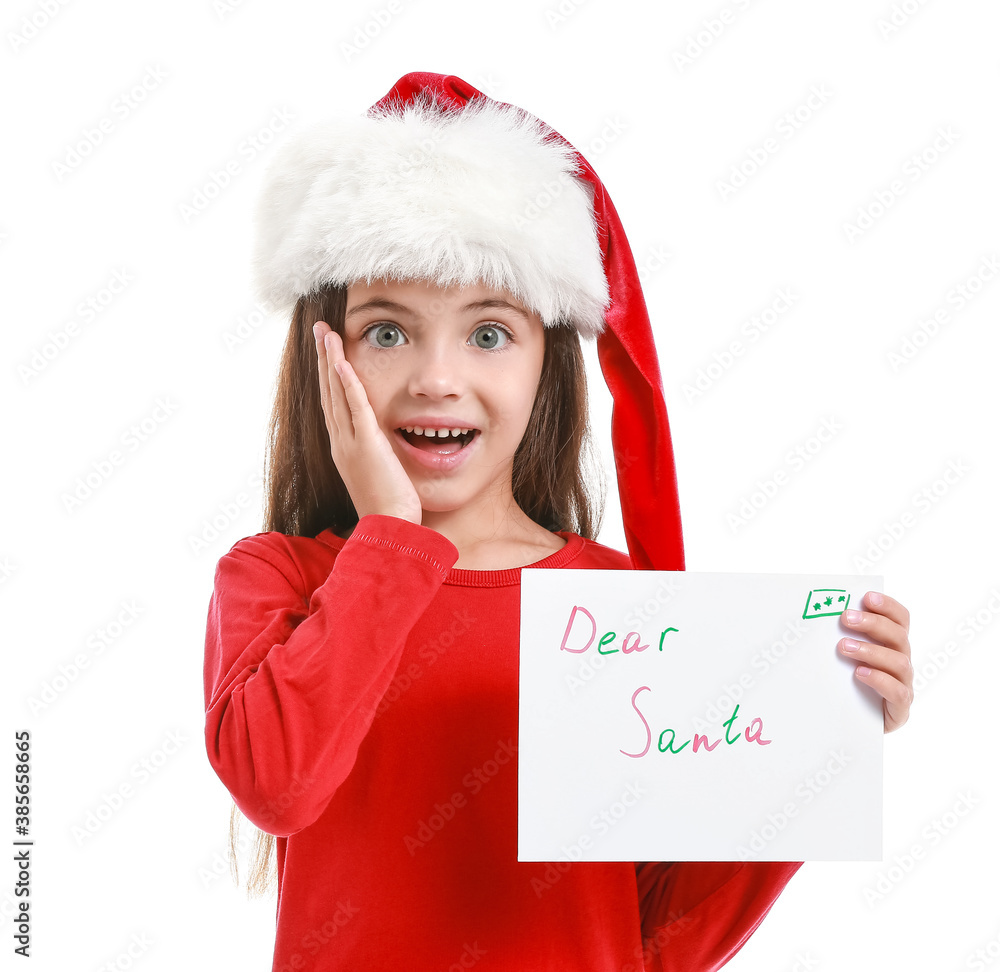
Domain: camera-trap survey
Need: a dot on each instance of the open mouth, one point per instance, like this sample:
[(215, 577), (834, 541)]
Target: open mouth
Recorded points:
[(443, 442)]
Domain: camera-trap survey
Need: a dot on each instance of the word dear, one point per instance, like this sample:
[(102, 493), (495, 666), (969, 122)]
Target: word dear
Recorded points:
[(631, 642)]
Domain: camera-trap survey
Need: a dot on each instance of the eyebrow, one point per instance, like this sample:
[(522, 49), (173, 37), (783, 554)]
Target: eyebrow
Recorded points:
[(383, 303), (377, 303), (495, 302)]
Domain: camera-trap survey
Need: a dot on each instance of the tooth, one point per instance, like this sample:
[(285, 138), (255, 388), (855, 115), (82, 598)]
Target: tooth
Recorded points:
[(418, 430), (408, 428), (455, 433)]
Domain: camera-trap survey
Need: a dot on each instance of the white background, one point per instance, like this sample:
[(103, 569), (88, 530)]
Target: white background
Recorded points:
[(662, 135)]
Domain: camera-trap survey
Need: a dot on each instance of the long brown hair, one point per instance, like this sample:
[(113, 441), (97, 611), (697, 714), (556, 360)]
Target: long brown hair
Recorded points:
[(555, 478)]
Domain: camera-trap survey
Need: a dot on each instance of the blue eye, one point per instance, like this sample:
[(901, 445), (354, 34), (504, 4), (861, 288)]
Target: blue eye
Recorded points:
[(488, 337), (385, 336)]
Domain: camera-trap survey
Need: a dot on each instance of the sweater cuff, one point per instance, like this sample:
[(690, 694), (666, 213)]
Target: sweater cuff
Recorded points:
[(393, 532)]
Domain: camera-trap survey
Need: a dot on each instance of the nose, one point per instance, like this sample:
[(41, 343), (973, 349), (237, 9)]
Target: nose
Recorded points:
[(437, 372)]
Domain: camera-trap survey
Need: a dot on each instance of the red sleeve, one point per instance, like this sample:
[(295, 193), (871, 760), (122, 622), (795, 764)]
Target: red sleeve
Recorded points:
[(696, 915), (293, 677)]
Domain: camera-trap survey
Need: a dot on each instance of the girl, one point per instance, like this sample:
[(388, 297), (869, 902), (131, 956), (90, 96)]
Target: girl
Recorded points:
[(441, 258)]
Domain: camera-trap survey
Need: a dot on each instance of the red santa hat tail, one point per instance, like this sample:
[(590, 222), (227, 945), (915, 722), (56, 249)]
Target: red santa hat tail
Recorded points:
[(440, 182)]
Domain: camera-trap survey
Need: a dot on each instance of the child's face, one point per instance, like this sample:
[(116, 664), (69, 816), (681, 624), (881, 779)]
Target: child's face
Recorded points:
[(435, 358)]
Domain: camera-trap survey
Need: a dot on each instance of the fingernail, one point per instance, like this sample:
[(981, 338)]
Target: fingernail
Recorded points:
[(875, 599), (852, 617), (862, 670), (850, 645)]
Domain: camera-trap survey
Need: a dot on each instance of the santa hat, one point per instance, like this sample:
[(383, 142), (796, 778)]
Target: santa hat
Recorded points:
[(440, 182)]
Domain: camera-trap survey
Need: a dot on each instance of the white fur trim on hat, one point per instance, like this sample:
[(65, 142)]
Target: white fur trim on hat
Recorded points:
[(458, 197)]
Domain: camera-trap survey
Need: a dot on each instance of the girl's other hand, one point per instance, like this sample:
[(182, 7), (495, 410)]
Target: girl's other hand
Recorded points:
[(884, 655), (372, 472)]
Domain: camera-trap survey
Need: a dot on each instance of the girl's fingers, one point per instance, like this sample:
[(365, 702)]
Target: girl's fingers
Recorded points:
[(363, 455), (362, 417), (319, 333), (897, 696), (877, 628), (330, 350), (883, 604), (895, 663), (880, 642), (345, 400)]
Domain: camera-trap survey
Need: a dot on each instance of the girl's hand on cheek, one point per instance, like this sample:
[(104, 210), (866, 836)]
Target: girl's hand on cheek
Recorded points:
[(363, 455), (880, 642)]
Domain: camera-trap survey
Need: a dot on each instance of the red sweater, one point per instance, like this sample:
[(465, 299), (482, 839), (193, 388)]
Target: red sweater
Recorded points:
[(361, 702)]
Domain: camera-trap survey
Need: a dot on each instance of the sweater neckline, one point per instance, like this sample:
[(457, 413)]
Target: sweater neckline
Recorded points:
[(505, 577), (508, 576)]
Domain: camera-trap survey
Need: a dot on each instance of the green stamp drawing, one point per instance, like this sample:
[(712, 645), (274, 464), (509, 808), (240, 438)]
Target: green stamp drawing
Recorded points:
[(826, 602)]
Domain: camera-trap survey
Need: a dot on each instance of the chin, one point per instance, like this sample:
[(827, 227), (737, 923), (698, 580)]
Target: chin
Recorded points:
[(443, 496), (436, 503)]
